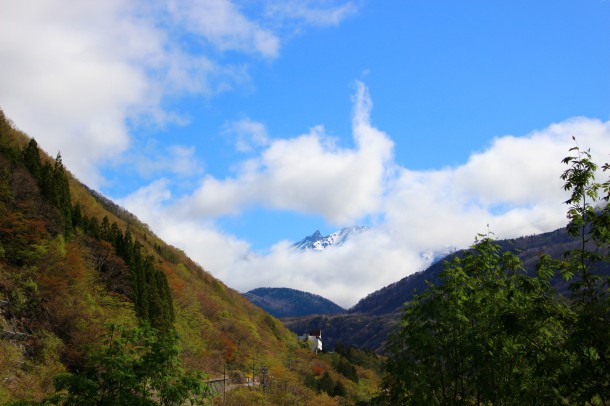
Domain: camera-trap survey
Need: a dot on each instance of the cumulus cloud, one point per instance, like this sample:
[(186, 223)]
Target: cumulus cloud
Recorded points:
[(73, 76), (50, 77), (149, 199), (512, 186), (344, 274), (308, 174), (79, 76)]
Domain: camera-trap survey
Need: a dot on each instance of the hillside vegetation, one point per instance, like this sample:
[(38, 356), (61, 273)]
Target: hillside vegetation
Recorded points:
[(369, 323), (286, 302), (95, 307), (489, 333), (514, 322)]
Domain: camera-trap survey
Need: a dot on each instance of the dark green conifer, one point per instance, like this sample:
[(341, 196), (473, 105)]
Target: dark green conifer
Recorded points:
[(339, 389), (63, 199), (77, 216), (31, 159), (93, 227), (105, 232), (326, 383), (47, 183)]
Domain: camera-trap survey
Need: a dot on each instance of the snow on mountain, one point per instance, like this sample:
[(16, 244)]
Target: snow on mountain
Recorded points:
[(318, 242), (433, 256)]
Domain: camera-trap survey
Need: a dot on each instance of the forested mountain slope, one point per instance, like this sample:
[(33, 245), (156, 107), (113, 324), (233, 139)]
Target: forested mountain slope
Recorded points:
[(81, 282), (391, 298), (286, 302), (368, 323)]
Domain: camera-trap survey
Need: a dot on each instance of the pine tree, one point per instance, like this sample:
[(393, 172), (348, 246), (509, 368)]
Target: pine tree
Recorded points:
[(63, 200), (105, 232), (31, 159), (77, 216)]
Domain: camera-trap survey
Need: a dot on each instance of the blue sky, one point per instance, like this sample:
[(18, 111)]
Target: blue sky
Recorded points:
[(236, 127)]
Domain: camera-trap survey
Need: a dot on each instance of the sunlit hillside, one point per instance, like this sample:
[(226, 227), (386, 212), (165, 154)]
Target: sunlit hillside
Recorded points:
[(73, 264)]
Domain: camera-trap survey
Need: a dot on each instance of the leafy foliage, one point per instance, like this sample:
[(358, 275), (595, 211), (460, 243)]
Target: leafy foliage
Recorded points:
[(363, 357), (589, 219), (488, 333), (483, 335), (132, 367)]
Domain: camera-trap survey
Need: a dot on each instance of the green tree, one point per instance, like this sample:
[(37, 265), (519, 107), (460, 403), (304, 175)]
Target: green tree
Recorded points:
[(132, 367), (77, 216), (487, 334), (589, 221), (151, 293), (104, 231), (346, 368), (490, 334), (339, 389), (53, 182), (31, 159), (326, 383)]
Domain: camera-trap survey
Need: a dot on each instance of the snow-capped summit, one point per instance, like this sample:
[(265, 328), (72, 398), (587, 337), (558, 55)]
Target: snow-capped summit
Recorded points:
[(433, 256), (318, 242)]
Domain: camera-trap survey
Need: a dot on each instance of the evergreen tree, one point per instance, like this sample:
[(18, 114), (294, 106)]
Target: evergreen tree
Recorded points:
[(151, 294), (31, 159), (64, 200), (93, 227), (105, 232), (53, 182), (115, 236), (139, 272), (77, 216), (47, 185)]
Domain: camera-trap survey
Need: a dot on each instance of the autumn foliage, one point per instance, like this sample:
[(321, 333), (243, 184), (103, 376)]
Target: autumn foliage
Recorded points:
[(73, 263)]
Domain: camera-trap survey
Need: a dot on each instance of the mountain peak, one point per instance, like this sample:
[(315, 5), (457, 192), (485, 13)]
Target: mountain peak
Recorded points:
[(319, 242)]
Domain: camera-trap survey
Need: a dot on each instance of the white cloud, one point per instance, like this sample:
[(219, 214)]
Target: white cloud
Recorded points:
[(72, 76), (177, 160), (308, 174), (63, 83), (513, 186), (314, 12), (149, 201), (250, 135), (76, 76), (221, 23)]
